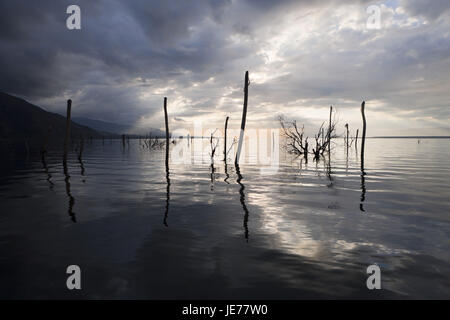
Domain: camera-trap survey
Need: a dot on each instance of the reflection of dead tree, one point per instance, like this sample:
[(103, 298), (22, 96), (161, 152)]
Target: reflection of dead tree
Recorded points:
[(298, 144)]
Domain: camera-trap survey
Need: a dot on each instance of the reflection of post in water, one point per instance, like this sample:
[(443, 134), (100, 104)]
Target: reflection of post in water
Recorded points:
[(80, 156), (363, 173), (43, 154), (227, 176), (167, 163), (363, 188), (329, 171), (71, 198), (49, 176), (213, 170), (242, 199), (166, 213)]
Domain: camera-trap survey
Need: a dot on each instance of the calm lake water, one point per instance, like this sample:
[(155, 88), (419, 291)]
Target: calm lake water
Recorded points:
[(299, 233)]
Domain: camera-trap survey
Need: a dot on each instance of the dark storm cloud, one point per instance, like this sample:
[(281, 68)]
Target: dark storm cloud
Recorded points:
[(301, 54)]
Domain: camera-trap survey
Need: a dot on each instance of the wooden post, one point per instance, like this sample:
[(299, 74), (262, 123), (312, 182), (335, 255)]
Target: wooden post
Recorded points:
[(66, 140), (356, 140), (346, 139), (244, 116), (306, 149), (167, 163), (329, 131), (225, 141), (167, 132), (363, 133)]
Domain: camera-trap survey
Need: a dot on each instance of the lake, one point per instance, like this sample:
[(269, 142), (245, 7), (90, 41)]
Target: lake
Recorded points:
[(306, 231)]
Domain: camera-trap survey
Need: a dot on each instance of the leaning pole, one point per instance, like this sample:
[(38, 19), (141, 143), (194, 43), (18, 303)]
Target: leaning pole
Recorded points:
[(244, 116)]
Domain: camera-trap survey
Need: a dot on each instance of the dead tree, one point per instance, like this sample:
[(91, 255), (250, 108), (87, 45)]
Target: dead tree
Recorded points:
[(296, 143), (294, 137)]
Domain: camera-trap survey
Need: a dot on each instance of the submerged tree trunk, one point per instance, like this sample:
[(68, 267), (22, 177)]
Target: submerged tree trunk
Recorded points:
[(67, 138), (363, 141), (167, 131), (244, 115)]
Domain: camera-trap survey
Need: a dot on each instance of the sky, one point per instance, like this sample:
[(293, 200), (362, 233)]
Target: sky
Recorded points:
[(302, 57)]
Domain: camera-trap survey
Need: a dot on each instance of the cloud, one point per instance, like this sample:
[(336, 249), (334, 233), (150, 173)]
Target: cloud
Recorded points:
[(302, 56)]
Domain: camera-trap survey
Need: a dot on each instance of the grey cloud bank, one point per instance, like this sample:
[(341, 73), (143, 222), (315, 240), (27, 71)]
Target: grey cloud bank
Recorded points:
[(302, 56)]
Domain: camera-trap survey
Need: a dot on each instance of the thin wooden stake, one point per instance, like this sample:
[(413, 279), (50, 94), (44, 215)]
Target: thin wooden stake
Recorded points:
[(346, 139), (225, 141), (356, 140)]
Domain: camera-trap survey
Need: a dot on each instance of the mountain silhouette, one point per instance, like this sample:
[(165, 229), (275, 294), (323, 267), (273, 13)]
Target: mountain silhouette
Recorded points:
[(20, 120)]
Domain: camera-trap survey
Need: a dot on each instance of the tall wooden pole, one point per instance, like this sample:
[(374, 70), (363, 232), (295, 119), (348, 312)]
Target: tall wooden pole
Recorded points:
[(167, 132), (363, 141), (225, 141), (244, 116), (67, 138)]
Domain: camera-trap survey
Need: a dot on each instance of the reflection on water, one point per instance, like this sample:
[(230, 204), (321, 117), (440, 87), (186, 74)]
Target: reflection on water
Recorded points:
[(242, 199), (47, 172), (314, 228), (363, 188), (69, 194), (166, 212)]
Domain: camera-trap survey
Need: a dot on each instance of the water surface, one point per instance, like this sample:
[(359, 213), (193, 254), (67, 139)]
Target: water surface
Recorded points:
[(308, 231)]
